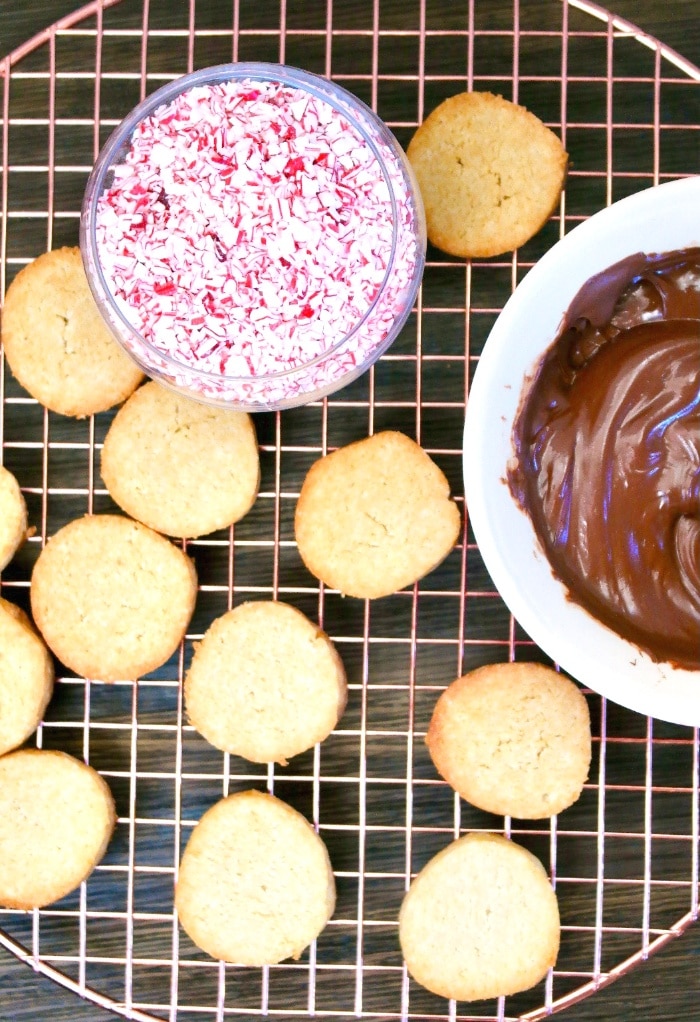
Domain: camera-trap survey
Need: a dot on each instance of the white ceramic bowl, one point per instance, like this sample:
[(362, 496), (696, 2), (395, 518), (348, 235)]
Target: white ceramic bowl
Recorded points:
[(660, 219)]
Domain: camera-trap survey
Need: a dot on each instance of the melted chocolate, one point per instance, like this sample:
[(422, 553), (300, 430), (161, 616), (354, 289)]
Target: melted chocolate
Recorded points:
[(608, 452)]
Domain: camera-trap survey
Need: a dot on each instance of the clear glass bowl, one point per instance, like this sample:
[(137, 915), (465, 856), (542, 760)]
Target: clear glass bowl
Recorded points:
[(340, 359)]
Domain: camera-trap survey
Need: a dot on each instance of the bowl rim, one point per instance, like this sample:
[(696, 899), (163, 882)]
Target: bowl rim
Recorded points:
[(360, 116), (656, 219)]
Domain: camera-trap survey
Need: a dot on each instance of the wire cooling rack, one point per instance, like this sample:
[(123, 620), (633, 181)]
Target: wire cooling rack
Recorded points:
[(624, 859)]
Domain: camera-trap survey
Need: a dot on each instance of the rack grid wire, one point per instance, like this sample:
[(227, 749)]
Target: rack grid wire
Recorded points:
[(622, 102)]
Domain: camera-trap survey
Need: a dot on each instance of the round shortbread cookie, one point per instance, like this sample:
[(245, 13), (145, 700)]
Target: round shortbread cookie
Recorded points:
[(513, 739), (56, 342), (490, 174), (375, 516), (179, 466), (265, 683), (255, 884), (26, 677), (13, 517), (111, 597), (480, 920), (56, 818)]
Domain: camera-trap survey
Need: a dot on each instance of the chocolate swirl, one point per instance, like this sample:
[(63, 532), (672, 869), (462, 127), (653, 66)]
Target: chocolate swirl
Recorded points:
[(608, 452)]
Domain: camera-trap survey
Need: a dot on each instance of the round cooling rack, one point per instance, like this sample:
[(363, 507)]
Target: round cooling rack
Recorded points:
[(624, 858)]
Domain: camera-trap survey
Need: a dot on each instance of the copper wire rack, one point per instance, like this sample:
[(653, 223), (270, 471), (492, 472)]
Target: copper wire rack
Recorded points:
[(622, 103)]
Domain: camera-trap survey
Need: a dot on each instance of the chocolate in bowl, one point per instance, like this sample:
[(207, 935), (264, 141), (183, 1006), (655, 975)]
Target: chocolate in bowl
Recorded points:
[(608, 452), (663, 219)]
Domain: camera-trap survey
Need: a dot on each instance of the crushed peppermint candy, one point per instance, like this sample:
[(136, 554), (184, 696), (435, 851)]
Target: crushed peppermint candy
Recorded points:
[(250, 231)]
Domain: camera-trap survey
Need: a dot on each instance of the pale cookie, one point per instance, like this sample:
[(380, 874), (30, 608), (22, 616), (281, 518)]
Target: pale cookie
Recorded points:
[(513, 739), (179, 466), (480, 920), (111, 597), (56, 818), (13, 517), (490, 174), (56, 342), (265, 683), (26, 677), (255, 884), (375, 516)]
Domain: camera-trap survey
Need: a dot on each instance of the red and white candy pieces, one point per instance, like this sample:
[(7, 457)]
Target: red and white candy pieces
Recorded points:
[(264, 247)]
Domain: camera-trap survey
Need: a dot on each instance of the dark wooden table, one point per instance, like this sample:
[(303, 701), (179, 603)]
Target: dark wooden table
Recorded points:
[(668, 986)]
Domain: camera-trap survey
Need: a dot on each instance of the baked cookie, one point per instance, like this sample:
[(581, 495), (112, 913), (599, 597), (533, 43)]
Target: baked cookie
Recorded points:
[(480, 920), (265, 683), (375, 516), (513, 739), (255, 884), (490, 174), (13, 517), (26, 677), (56, 818), (179, 466), (56, 342), (111, 597)]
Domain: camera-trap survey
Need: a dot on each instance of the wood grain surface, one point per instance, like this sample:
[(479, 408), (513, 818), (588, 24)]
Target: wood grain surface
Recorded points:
[(665, 989)]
